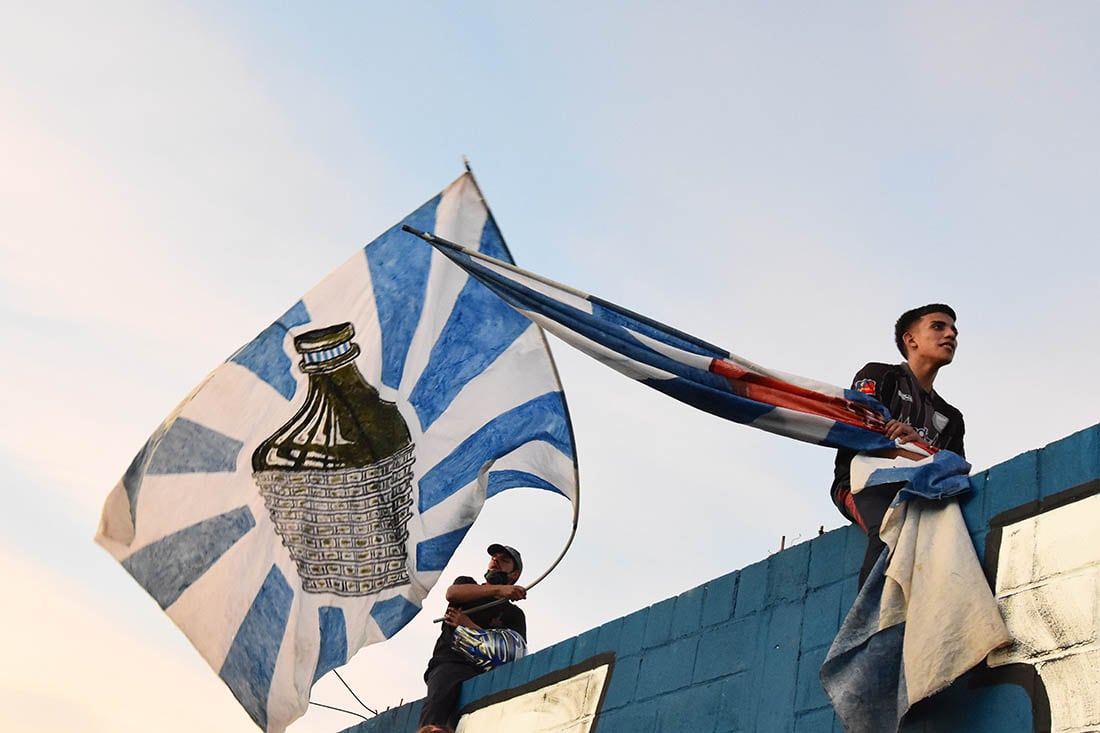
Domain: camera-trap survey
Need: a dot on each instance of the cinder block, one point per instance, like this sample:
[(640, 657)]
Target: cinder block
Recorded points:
[(540, 663), (737, 711), (785, 627), (718, 599), (666, 668), (508, 675), (787, 572), (414, 714), (686, 614), (972, 503), (849, 589), (641, 718), (395, 719), (1000, 708), (815, 721), (1070, 462), (962, 707), (728, 649), (810, 694), (474, 689), (775, 714), (402, 720), (659, 625), (587, 645), (752, 589), (821, 618), (610, 634), (561, 655), (778, 677), (1013, 483), (492, 681), (1065, 539), (691, 709), (633, 632), (621, 686), (1056, 618), (854, 551), (827, 558), (519, 671)]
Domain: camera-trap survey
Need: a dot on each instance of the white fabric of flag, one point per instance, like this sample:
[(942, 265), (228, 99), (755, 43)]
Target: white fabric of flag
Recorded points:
[(301, 502)]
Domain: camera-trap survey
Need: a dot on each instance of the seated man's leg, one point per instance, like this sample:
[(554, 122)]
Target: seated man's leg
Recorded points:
[(872, 503), (444, 684)]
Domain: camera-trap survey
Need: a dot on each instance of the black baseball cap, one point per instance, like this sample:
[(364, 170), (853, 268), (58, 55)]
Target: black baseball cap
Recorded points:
[(510, 552)]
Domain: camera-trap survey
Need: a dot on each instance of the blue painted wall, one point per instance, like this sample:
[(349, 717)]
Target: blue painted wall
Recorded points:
[(742, 652)]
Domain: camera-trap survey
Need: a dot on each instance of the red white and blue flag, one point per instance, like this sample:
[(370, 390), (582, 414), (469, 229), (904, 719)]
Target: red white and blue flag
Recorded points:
[(679, 365)]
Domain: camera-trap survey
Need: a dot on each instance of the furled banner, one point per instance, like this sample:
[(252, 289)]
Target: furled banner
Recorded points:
[(926, 614), (680, 365), (303, 500)]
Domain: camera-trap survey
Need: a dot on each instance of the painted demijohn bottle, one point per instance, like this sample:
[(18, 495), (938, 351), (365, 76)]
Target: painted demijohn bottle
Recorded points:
[(337, 477)]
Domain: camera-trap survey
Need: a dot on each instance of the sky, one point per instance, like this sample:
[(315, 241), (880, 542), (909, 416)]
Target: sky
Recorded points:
[(782, 180)]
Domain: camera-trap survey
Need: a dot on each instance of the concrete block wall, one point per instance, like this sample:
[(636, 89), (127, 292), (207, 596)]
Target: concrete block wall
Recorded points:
[(742, 652)]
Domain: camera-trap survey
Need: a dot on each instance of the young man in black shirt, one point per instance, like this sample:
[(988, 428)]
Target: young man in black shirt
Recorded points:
[(448, 668), (927, 339)]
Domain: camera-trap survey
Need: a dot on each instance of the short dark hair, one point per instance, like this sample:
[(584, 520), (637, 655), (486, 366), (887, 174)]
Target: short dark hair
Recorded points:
[(908, 318)]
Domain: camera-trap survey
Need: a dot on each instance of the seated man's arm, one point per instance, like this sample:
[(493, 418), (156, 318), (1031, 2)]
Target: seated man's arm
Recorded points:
[(906, 434), (455, 617), (468, 593)]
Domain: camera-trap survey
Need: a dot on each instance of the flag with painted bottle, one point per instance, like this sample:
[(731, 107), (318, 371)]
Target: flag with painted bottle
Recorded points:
[(301, 502)]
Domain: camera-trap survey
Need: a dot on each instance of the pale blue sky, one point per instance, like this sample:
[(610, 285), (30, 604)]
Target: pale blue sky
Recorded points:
[(779, 179)]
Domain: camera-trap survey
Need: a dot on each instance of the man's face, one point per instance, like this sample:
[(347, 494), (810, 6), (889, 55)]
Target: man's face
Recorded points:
[(934, 337), (504, 563)]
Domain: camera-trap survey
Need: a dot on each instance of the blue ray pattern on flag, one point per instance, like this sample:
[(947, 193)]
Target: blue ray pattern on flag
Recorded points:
[(399, 274), (475, 335), (135, 472), (681, 359), (189, 447), (168, 567), (264, 355), (392, 614), (539, 419), (182, 446), (334, 640), (510, 479), (492, 242), (435, 552), (250, 664)]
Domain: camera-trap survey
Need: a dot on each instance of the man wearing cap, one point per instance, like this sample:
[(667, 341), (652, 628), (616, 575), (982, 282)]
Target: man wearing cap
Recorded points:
[(448, 668)]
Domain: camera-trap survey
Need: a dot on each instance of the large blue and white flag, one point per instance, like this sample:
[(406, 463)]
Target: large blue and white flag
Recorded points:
[(680, 365), (303, 500)]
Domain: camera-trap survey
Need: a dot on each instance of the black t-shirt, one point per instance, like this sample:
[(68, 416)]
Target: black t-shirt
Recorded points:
[(939, 424), (505, 615)]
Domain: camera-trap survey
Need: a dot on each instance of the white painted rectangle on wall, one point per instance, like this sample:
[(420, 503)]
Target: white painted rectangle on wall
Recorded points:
[(551, 705)]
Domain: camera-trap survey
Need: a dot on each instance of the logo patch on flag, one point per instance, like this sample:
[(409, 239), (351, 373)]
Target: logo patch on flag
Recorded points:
[(866, 386)]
